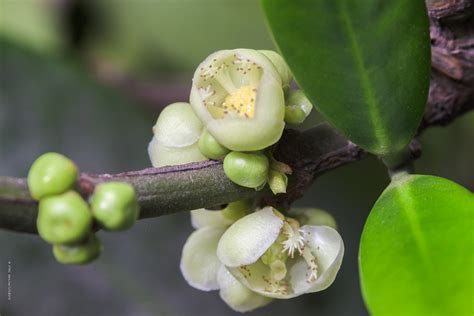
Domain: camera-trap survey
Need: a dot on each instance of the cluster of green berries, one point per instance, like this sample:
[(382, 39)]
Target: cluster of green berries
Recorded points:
[(239, 103), (66, 220)]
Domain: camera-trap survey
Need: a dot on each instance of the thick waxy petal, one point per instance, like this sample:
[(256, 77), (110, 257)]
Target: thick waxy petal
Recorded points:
[(177, 126), (199, 263), (176, 136), (249, 237), (236, 295), (161, 155), (327, 246)]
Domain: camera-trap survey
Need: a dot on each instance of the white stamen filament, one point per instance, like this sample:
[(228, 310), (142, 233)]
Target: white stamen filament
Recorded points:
[(294, 240)]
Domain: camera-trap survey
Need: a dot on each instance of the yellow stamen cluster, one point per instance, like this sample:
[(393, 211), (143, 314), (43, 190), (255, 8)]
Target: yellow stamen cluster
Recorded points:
[(242, 102)]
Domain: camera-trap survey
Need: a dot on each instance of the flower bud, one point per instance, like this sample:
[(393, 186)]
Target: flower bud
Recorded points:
[(210, 148), (115, 205), (63, 219), (246, 169), (239, 97), (277, 181), (176, 135), (297, 107), (78, 253), (51, 174)]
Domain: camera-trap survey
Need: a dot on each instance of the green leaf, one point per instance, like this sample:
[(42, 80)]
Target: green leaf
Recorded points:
[(417, 249), (364, 64)]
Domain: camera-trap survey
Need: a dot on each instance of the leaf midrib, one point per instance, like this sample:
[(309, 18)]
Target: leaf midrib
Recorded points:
[(405, 199), (366, 85)]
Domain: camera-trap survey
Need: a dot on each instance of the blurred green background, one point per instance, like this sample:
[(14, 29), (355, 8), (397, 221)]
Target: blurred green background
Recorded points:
[(88, 79)]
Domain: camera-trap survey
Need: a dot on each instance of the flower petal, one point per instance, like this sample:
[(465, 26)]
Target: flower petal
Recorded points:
[(249, 237), (199, 263), (202, 217), (327, 246), (161, 155), (178, 126), (236, 295)]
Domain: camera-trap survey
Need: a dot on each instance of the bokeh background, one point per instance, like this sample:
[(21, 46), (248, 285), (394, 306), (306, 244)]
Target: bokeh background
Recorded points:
[(88, 79)]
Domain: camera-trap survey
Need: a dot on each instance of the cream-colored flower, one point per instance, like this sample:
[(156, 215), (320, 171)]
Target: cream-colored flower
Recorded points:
[(239, 96), (200, 265), (275, 257)]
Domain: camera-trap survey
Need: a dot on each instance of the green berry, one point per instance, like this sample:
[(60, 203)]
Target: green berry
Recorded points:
[(64, 218), (79, 253), (51, 174), (246, 169), (210, 147), (115, 205)]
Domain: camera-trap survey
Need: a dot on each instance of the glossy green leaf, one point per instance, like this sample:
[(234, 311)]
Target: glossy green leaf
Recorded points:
[(364, 64), (417, 249)]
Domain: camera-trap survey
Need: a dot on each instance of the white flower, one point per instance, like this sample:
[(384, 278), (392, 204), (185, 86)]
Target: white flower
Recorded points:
[(199, 263), (257, 251), (238, 94)]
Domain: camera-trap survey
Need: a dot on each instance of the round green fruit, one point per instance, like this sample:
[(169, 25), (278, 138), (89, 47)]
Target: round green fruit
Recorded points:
[(64, 218), (115, 205), (210, 147), (51, 174), (80, 253), (247, 169)]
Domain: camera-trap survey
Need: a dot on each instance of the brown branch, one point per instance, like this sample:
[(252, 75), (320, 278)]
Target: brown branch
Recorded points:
[(310, 153)]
